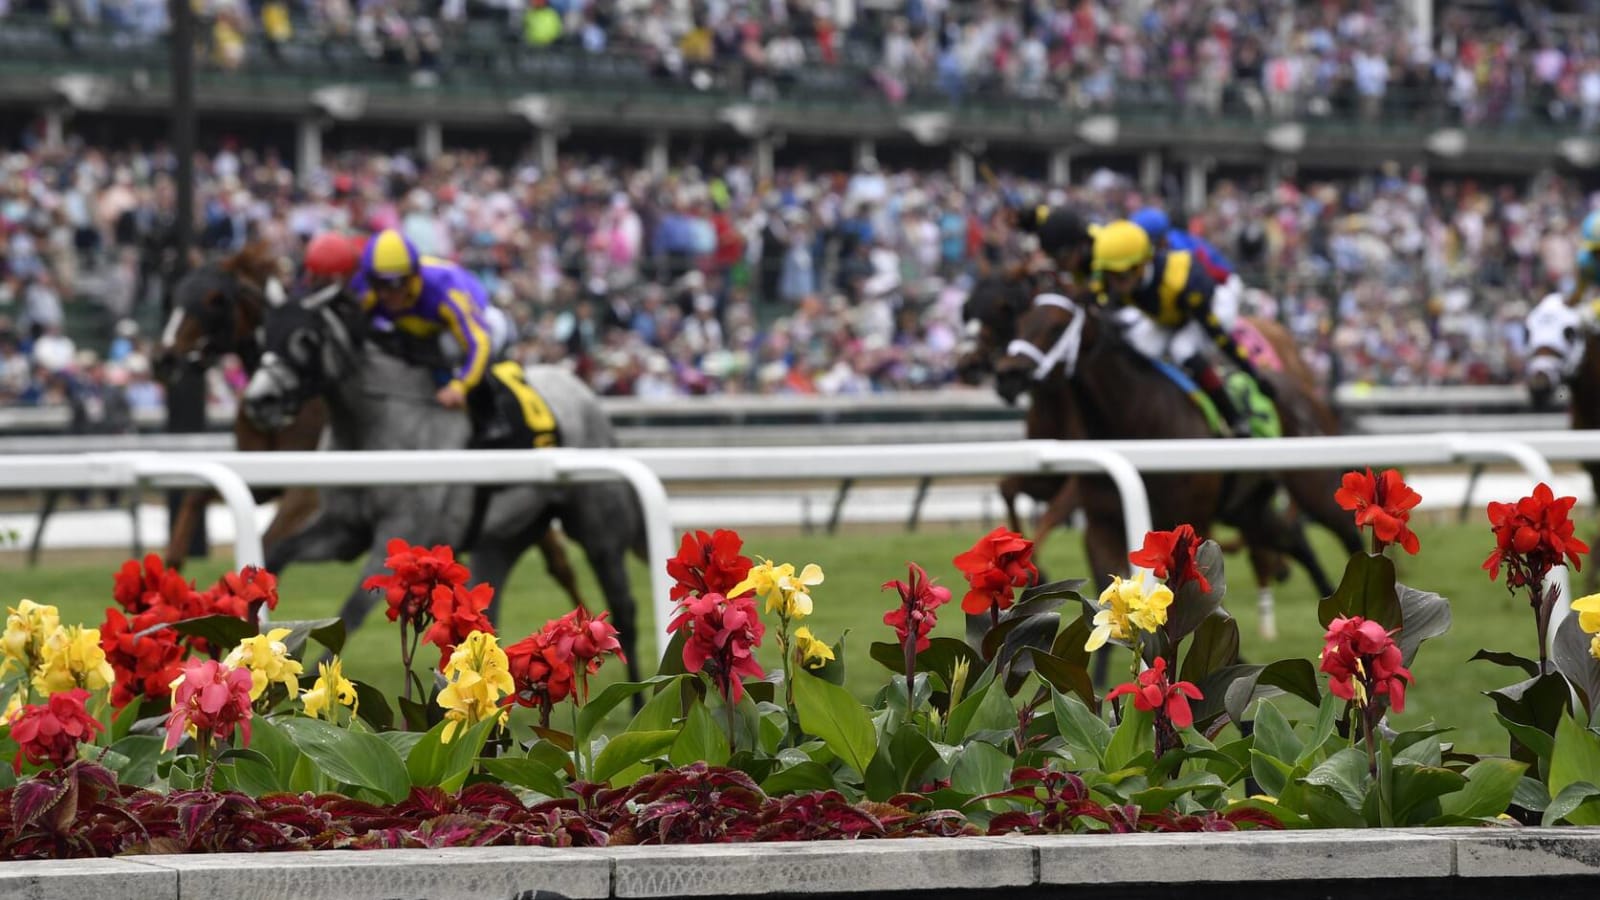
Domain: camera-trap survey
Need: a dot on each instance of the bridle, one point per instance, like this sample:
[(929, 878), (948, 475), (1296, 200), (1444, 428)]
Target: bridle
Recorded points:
[(1064, 351)]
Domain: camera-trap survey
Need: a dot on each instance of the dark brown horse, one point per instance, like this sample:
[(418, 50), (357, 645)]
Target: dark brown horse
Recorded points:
[(1583, 410), (220, 309), (1104, 390)]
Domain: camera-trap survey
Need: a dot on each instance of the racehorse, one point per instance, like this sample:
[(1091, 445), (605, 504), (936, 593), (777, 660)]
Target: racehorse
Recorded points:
[(1090, 379), (378, 401), (221, 308), (1583, 407)]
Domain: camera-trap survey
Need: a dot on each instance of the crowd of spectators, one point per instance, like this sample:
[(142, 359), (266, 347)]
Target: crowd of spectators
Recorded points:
[(703, 281), (1502, 64)]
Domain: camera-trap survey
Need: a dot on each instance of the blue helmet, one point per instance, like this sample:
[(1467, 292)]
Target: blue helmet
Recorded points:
[(1154, 222)]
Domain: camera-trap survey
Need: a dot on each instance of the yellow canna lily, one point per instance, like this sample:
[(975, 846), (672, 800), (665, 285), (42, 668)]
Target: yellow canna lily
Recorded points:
[(330, 691), (1128, 606), (785, 593), (268, 659), (479, 674), (1588, 610), (1594, 646), (811, 653), (27, 627), (69, 658)]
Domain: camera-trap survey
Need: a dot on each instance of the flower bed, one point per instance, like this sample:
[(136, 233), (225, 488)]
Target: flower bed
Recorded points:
[(179, 727)]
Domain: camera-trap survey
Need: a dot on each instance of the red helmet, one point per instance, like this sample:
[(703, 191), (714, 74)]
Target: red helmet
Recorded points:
[(332, 254)]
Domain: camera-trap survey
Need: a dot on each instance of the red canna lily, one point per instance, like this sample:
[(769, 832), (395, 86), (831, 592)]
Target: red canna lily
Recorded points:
[(139, 588), (1170, 555), (723, 635), (241, 594), (708, 564), (145, 664), (1533, 536), (457, 612), (541, 671), (414, 572), (1383, 501), (1153, 693), (999, 562), (52, 730), (917, 613), (1362, 661)]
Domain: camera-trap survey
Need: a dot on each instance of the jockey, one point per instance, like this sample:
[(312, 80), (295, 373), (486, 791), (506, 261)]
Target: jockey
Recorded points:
[(1588, 257), (425, 297), (331, 258), (1065, 238), (1230, 288), (1163, 302)]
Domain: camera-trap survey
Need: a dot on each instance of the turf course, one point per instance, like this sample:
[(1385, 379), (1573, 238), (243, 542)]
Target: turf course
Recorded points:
[(858, 561)]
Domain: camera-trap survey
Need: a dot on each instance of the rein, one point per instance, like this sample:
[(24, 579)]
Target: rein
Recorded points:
[(1064, 352)]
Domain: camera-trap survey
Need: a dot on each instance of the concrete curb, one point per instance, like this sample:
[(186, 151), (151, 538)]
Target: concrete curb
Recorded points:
[(1036, 866)]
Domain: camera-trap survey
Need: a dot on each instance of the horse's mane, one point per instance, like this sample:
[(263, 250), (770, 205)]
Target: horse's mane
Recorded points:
[(254, 260)]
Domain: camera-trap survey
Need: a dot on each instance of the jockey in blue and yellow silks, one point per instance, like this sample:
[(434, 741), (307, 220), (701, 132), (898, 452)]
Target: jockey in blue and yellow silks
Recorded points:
[(424, 297), (1588, 257)]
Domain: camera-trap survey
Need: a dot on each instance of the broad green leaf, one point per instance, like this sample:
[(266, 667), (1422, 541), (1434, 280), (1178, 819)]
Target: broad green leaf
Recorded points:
[(1531, 794), (1570, 653), (1134, 735), (1064, 675), (252, 775), (1424, 751), (988, 709), (329, 633), (1418, 789), (831, 713), (1270, 772), (1244, 684), (526, 773), (221, 632), (1274, 735), (1491, 783), (1322, 730), (351, 757), (432, 762), (402, 741), (1425, 614), (551, 756), (671, 662), (630, 748), (1507, 659), (1367, 590), (1578, 803), (600, 705), (140, 753), (911, 754), (1215, 646), (832, 670), (1576, 758), (663, 710), (1346, 774), (981, 769), (702, 739), (799, 778), (1086, 734), (879, 781), (1201, 785), (372, 705)]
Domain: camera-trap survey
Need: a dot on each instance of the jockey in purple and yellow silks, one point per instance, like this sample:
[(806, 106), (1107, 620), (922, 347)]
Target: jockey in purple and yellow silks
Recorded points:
[(423, 297)]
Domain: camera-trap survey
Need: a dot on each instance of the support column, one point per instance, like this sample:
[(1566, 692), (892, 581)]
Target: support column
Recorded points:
[(549, 144), (1194, 186), (1150, 173), (656, 159), (55, 119), (308, 149), (1274, 173), (1060, 167), (763, 158), (865, 149), (430, 140), (964, 168)]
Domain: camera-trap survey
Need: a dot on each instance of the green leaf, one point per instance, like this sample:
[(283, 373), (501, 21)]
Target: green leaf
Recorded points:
[(1294, 676), (940, 658), (1531, 794), (1534, 740), (1417, 790), (671, 662), (1570, 653), (122, 721), (402, 741), (1275, 736), (1201, 785), (1507, 659), (630, 748), (799, 778), (1191, 607), (419, 716), (1134, 735), (600, 705), (832, 671), (1215, 645), (140, 753), (551, 756), (1322, 730), (275, 744), (1064, 675), (1424, 615), (1346, 774), (351, 757), (1577, 804), (221, 632), (912, 754), (327, 632), (1491, 783), (372, 705), (981, 769), (432, 762), (831, 713), (1086, 734), (1576, 758), (252, 774), (700, 740), (1367, 590), (526, 773), (1271, 773), (663, 710), (987, 710)]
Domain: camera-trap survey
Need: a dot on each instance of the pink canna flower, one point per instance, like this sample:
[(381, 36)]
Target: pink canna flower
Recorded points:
[(208, 700)]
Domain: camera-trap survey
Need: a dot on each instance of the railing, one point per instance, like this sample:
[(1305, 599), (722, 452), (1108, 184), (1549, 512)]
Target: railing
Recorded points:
[(646, 470)]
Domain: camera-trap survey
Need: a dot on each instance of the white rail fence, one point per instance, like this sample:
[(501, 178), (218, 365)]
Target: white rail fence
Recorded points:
[(646, 470)]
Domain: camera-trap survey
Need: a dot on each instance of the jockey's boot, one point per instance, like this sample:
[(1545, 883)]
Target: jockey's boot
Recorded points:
[(1206, 376)]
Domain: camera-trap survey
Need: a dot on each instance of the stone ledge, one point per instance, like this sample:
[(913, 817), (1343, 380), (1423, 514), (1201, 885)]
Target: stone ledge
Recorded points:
[(99, 879), (822, 867), (468, 873), (1542, 852)]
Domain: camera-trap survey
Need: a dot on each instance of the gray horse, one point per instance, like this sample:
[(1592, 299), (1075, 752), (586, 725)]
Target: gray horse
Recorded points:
[(379, 401)]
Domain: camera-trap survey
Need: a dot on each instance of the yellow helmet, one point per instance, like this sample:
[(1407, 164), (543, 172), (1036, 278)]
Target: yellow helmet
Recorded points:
[(1121, 246), (390, 256)]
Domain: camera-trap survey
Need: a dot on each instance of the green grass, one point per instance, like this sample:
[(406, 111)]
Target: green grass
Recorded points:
[(1448, 688)]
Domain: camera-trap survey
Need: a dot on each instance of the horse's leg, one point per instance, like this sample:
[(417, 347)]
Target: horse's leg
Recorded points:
[(491, 564), (1010, 488), (601, 518), (190, 511), (1265, 564), (324, 538), (52, 499), (296, 506), (1312, 492), (559, 565), (1061, 507)]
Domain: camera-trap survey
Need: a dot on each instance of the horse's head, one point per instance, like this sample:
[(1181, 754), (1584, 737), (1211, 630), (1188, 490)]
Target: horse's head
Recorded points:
[(1050, 336), (219, 309), (1545, 369), (308, 346), (991, 313)]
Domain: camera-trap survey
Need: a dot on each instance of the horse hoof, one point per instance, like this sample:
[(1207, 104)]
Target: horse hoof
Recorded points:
[(1269, 630)]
